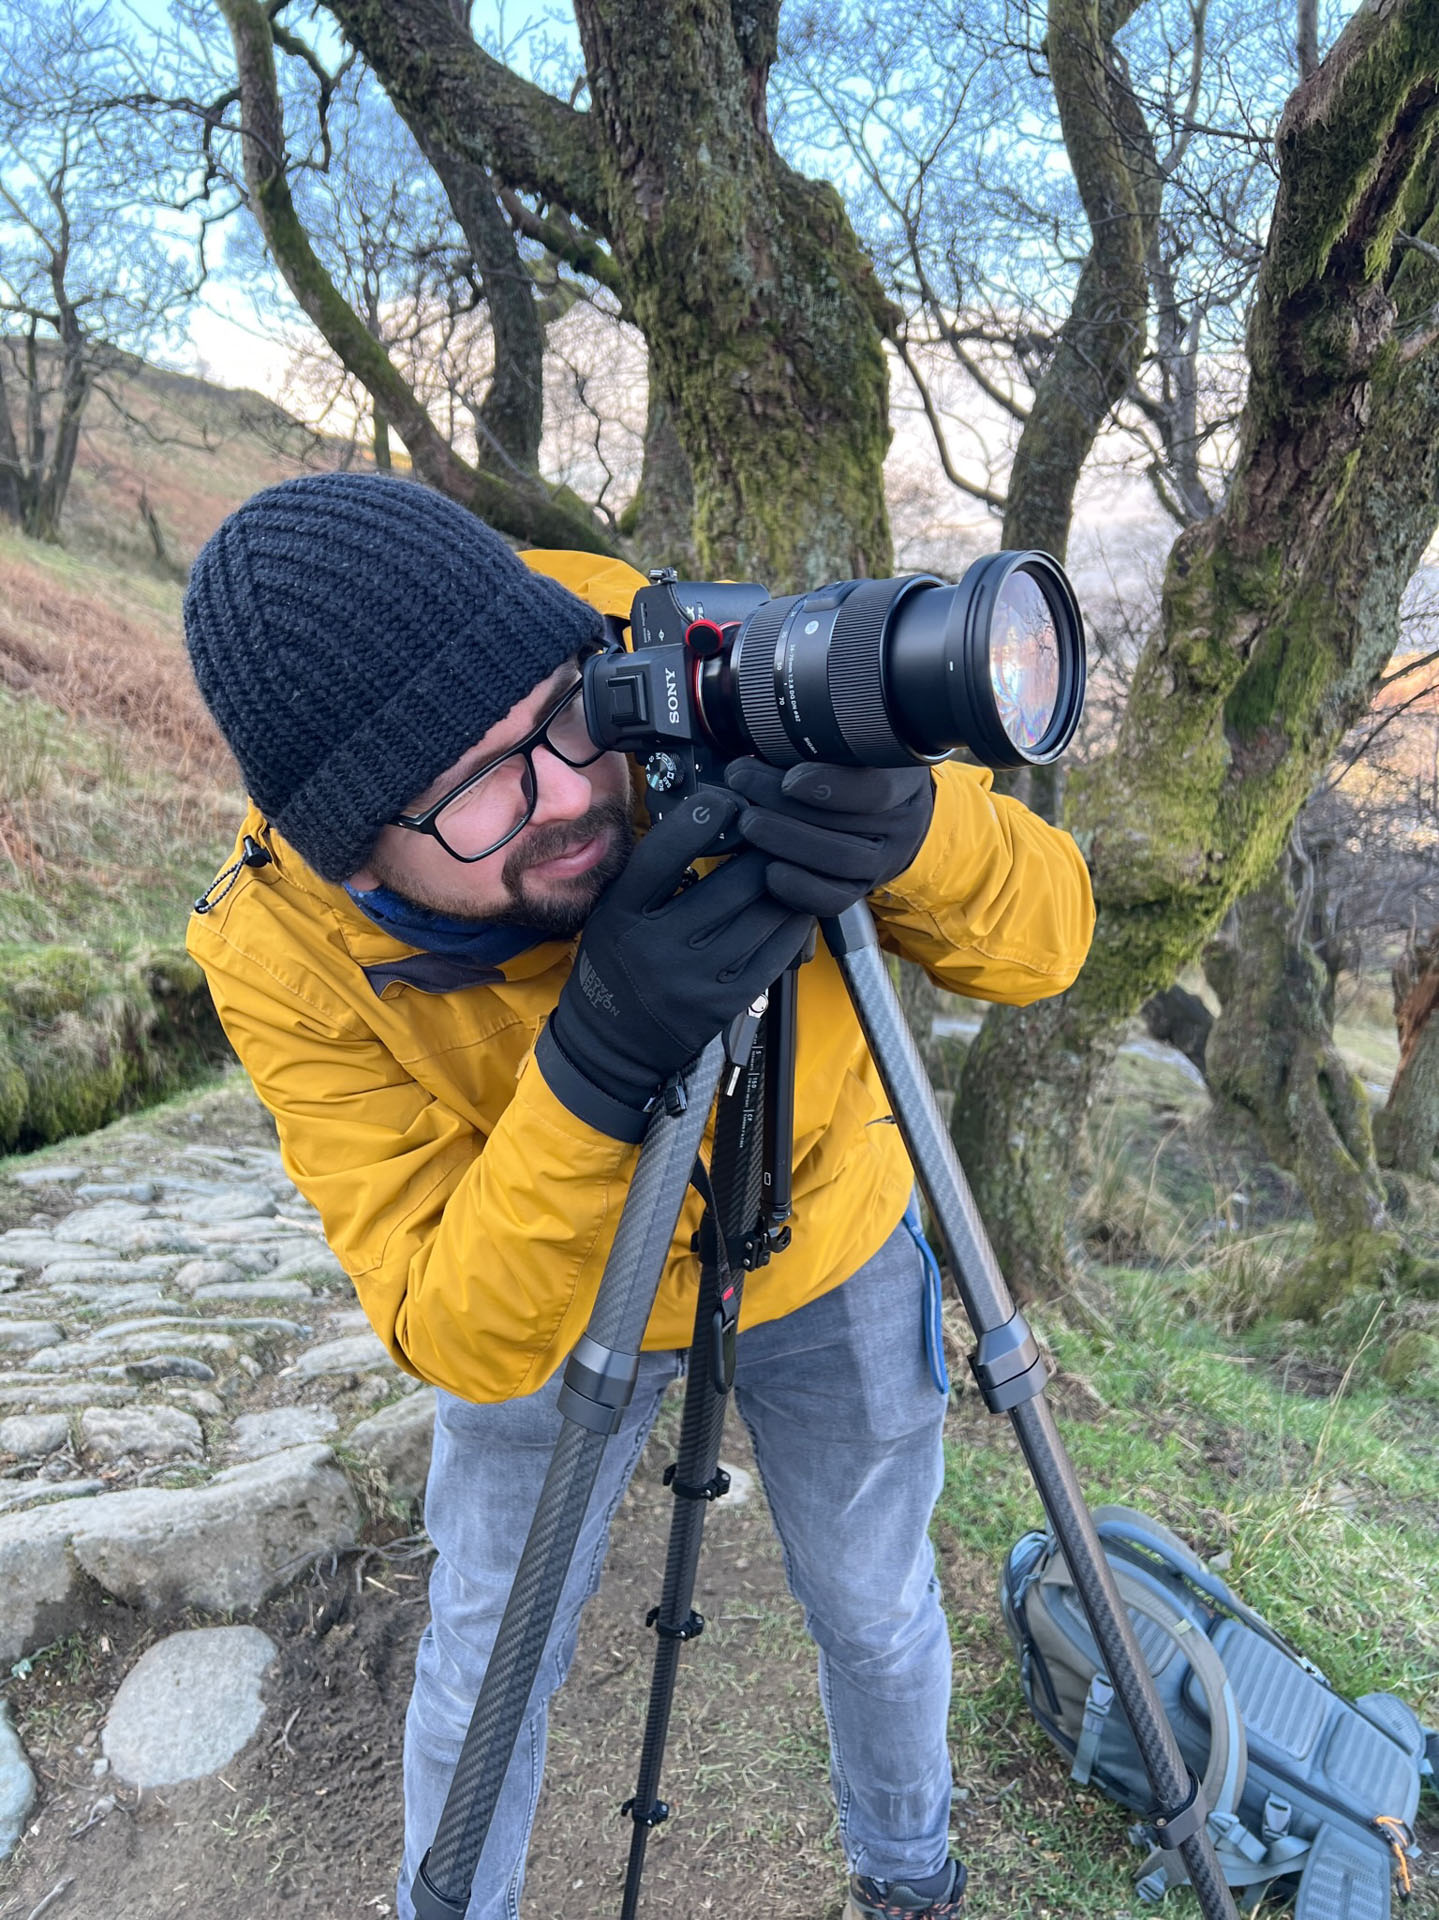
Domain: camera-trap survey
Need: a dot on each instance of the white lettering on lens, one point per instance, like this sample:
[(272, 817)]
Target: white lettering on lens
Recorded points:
[(672, 698)]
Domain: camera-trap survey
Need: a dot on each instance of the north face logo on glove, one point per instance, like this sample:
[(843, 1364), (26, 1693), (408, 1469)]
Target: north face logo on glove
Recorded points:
[(593, 988)]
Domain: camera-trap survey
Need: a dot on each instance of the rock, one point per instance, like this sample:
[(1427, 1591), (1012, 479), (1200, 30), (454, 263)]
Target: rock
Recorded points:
[(253, 1260), (397, 1441), (139, 1190), (40, 1493), (25, 1248), (293, 1291), (17, 1786), (317, 1263), (188, 1705), (356, 1353), (92, 1223), (77, 1355), (196, 1400), (144, 1433), (94, 1273), (156, 1236), (230, 1203), (47, 1176), (256, 1434), (38, 1578), (10, 1278), (167, 1366), (31, 1434), (28, 1336), (203, 1273), (741, 1487), (222, 1546), (23, 1394)]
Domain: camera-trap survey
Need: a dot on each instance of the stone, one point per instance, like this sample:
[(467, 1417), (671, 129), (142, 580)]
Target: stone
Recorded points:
[(397, 1441), (356, 1353), (23, 1394), (32, 1434), (220, 1547), (188, 1705), (47, 1176), (167, 1366), (94, 1273), (143, 1433), (256, 1434), (203, 1273), (139, 1190), (252, 1260), (92, 1223), (156, 1236), (112, 1299), (25, 1248), (197, 1400), (28, 1336), (10, 1278), (230, 1203), (315, 1262), (223, 1546), (294, 1292), (30, 1494), (17, 1786), (76, 1355)]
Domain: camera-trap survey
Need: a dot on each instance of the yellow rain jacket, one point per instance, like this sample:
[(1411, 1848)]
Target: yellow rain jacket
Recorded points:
[(472, 1210)]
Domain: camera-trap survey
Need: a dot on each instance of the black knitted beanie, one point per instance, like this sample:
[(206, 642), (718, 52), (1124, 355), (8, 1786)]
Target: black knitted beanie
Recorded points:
[(352, 634)]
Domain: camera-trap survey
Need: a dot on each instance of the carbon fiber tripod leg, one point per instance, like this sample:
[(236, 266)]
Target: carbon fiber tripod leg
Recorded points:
[(1011, 1376), (736, 1187), (599, 1379)]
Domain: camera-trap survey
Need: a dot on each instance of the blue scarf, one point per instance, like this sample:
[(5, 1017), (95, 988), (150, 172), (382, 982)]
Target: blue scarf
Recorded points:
[(441, 932)]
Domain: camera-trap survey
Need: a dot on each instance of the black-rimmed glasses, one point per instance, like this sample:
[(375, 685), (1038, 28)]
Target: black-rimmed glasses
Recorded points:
[(491, 805)]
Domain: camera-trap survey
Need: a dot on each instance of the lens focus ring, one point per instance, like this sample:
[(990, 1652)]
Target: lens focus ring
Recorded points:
[(855, 682)]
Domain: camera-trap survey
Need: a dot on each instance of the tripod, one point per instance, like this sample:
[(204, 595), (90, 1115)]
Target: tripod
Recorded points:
[(599, 1380)]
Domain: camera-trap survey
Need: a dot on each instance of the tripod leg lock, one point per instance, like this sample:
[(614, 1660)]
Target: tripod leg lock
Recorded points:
[(1171, 1830), (689, 1629), (653, 1817), (1008, 1365), (714, 1489), (598, 1385), (430, 1905)]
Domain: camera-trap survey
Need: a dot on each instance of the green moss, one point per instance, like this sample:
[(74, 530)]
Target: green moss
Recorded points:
[(86, 1036)]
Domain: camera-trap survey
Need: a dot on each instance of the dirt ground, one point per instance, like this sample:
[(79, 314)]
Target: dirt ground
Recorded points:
[(307, 1819)]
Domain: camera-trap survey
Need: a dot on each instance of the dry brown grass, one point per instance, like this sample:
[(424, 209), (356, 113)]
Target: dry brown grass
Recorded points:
[(115, 670)]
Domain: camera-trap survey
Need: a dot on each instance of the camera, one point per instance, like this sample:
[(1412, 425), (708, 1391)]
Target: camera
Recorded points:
[(874, 673)]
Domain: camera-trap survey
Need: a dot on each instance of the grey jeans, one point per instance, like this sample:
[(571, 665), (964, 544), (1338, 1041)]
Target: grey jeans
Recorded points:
[(846, 1426)]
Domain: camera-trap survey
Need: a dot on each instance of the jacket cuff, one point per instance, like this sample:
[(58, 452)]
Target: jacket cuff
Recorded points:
[(620, 1119)]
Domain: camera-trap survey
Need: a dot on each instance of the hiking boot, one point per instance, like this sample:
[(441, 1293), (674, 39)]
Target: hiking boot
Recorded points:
[(894, 1900)]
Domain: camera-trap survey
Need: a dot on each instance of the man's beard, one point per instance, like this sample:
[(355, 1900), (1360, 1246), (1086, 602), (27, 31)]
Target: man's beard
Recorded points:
[(561, 907)]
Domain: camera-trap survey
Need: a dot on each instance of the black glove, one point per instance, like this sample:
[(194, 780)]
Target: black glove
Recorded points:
[(836, 832), (658, 973)]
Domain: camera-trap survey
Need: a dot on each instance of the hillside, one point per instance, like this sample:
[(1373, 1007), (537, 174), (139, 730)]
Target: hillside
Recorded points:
[(118, 798)]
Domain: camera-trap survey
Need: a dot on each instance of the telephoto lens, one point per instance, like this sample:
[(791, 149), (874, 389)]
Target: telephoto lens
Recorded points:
[(871, 673), (885, 672)]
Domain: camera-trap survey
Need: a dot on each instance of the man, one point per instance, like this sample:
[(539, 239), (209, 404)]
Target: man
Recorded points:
[(458, 985)]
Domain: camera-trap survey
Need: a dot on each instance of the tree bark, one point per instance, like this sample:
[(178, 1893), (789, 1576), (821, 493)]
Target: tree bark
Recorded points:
[(1407, 1131), (1271, 1055), (763, 319), (1279, 611), (659, 521), (1101, 343)]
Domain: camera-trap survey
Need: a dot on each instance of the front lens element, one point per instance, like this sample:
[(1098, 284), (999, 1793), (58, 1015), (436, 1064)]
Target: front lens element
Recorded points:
[(1024, 661)]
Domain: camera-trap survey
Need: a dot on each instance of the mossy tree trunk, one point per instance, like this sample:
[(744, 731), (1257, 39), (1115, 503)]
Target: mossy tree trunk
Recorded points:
[(1271, 1055), (763, 319), (1278, 612), (1407, 1130)]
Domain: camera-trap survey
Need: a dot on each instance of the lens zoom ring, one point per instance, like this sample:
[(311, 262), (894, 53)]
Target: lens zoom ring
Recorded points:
[(855, 684), (755, 673)]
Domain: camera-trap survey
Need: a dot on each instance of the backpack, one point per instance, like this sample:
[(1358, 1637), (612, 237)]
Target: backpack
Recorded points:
[(1310, 1794)]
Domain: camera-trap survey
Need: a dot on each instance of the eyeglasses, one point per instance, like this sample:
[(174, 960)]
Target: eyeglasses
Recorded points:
[(490, 806)]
